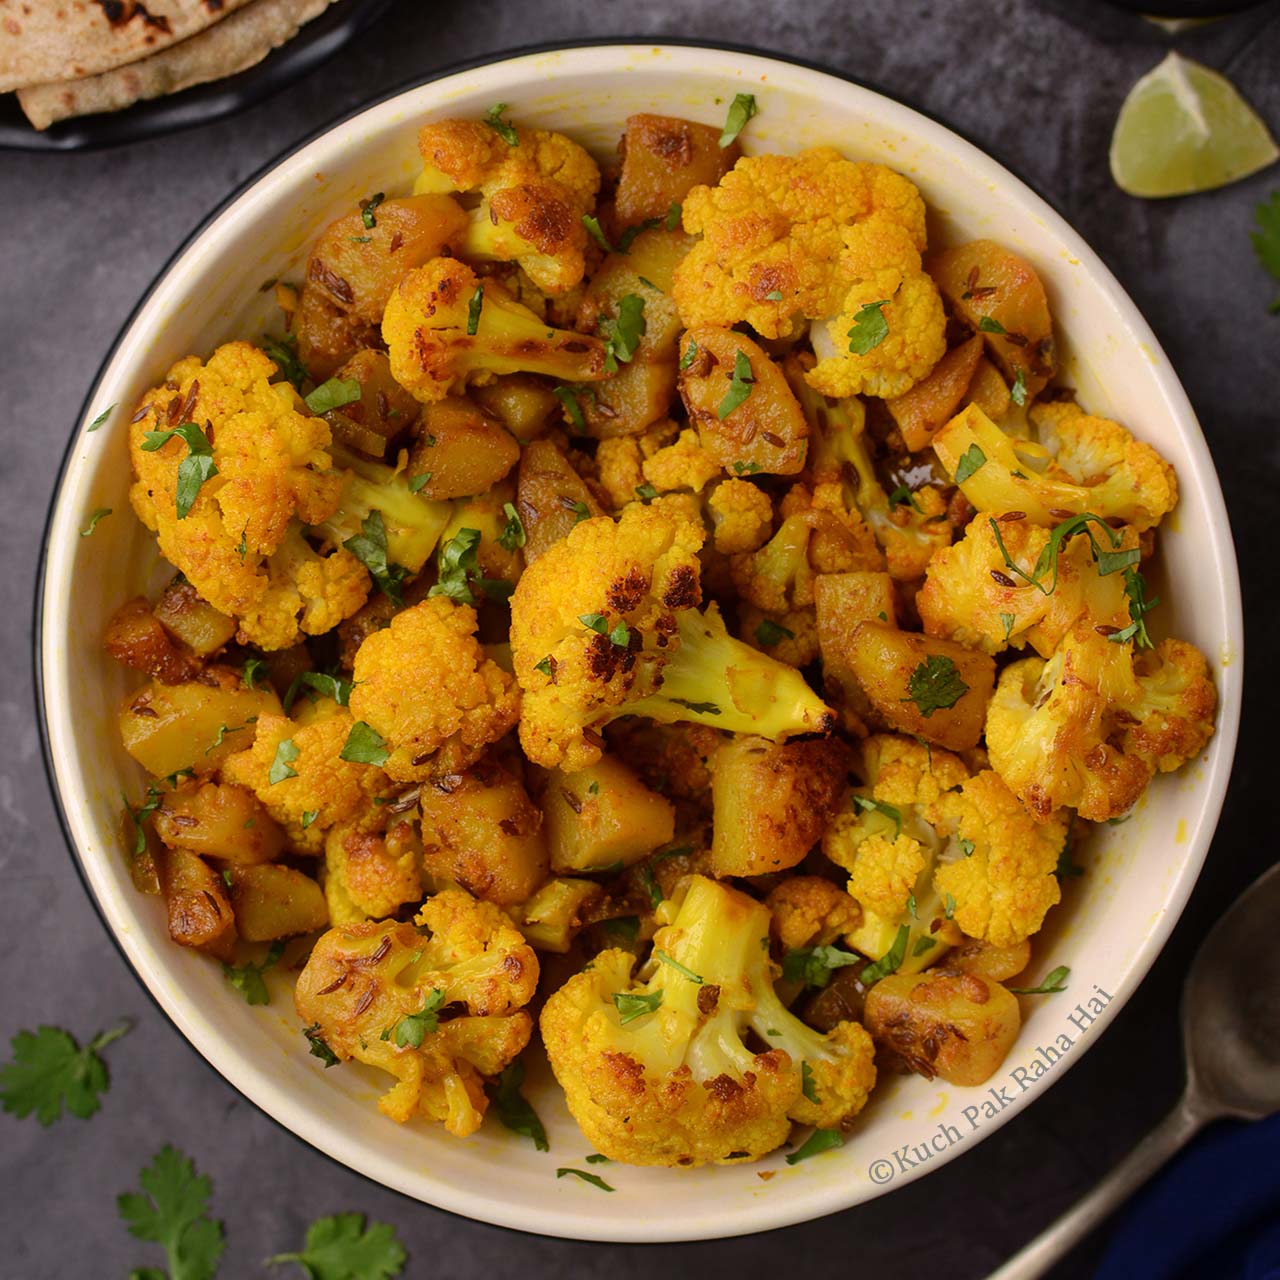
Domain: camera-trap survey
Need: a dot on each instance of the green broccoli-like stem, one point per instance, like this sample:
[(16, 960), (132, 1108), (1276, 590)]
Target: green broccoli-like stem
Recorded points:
[(715, 680), (413, 523)]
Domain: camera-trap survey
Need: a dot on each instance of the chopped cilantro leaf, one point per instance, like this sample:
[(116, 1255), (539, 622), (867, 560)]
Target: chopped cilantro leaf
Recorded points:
[(513, 1108), (505, 130), (194, 469), (512, 536), (631, 1006), (333, 394), (473, 310), (100, 514), (870, 328), (739, 385), (988, 325), (593, 1178), (49, 1070), (973, 459), (816, 1143), (368, 206), (101, 418), (677, 966), (935, 685), (814, 965), (622, 333), (769, 632), (410, 1031), (247, 978), (364, 745), (1056, 981), (741, 109), (868, 804), (892, 959), (286, 754)]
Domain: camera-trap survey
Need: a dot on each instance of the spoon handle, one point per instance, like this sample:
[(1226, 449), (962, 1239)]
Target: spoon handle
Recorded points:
[(1036, 1257)]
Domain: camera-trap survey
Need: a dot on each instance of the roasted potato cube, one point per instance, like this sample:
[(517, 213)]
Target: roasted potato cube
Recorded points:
[(552, 917), (984, 281), (931, 402), (271, 901), (481, 830), (603, 815), (523, 403), (486, 514), (989, 391), (937, 690), (195, 898), (640, 392), (954, 1025), (190, 617), (551, 497), (996, 964), (219, 820), (842, 600), (354, 267), (663, 159), (384, 411), (169, 727), (772, 802), (767, 431), (135, 639), (461, 449)]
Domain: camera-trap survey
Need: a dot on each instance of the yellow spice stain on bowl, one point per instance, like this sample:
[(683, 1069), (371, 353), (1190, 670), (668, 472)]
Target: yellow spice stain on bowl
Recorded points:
[(943, 1101), (1180, 836)]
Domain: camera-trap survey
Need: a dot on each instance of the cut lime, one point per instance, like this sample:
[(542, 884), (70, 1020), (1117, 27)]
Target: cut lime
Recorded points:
[(1184, 128)]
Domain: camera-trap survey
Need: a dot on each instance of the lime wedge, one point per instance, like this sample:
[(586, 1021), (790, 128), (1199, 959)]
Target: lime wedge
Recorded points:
[(1184, 128)]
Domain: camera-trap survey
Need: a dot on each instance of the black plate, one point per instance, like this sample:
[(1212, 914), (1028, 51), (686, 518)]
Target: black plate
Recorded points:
[(319, 40)]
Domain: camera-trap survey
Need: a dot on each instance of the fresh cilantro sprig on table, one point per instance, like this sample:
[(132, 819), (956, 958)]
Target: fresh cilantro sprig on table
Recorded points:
[(247, 977), (49, 1070), (513, 1109), (172, 1211), (1266, 239), (346, 1247)]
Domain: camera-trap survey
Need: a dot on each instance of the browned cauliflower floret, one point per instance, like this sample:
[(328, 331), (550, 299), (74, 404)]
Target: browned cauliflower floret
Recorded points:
[(1089, 727), (999, 870), (809, 911), (605, 624), (1080, 464), (534, 189), (440, 1007), (775, 226), (426, 687), (884, 873), (295, 768), (682, 465), (238, 534), (657, 1072), (971, 594), (889, 330), (435, 348), (373, 864)]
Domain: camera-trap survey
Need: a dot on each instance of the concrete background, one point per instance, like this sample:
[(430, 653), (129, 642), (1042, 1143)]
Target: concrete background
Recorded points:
[(1038, 84)]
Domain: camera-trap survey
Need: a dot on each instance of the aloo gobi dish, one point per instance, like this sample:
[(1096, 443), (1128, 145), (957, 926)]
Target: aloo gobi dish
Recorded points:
[(665, 606)]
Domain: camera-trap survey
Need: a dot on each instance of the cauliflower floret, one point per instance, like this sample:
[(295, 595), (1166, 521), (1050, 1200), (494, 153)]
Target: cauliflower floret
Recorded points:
[(889, 844), (373, 864), (790, 636), (683, 465), (741, 516), (427, 688), (808, 911), (1082, 464), (884, 873), (315, 789), (240, 542), (774, 225), (890, 329), (1089, 727), (972, 596), (1002, 882), (533, 195), (605, 624), (657, 1072), (383, 993), (426, 329)]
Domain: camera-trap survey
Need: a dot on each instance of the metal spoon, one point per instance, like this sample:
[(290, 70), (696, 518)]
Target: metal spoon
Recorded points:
[(1231, 1040)]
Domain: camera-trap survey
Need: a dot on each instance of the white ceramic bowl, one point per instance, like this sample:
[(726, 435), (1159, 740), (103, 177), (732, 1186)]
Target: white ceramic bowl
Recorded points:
[(1115, 920)]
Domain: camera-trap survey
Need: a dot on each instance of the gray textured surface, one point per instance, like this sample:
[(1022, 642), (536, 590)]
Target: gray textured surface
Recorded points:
[(82, 236)]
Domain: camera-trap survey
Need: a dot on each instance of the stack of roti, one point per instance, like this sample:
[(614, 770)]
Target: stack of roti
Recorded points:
[(76, 57)]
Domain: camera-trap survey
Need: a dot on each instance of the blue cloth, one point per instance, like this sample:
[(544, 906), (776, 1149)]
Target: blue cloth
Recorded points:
[(1214, 1214)]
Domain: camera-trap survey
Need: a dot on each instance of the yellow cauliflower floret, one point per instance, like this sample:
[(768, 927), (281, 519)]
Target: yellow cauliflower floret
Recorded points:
[(440, 1007), (892, 295), (774, 225), (533, 195), (808, 911), (683, 465), (1001, 876), (620, 460), (315, 788), (427, 688), (741, 516), (240, 543), (1090, 727), (372, 865), (790, 636), (884, 873), (972, 596), (657, 1071), (902, 771)]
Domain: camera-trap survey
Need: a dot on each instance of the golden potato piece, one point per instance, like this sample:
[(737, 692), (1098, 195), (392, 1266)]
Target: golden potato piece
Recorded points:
[(935, 689), (663, 159), (135, 639), (195, 898), (219, 820), (271, 901), (931, 402), (954, 1025), (603, 815), (551, 498), (772, 802), (461, 448), (764, 432), (384, 411)]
